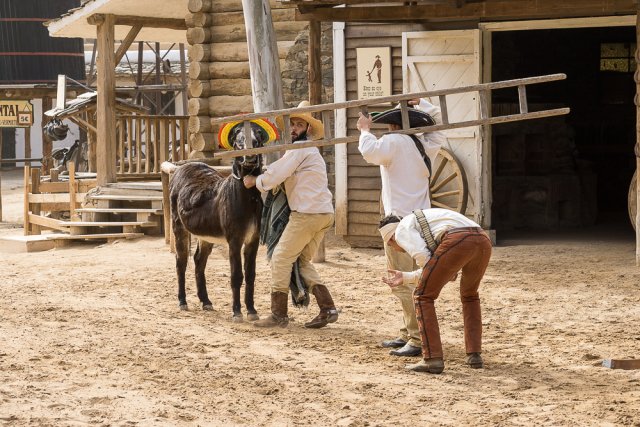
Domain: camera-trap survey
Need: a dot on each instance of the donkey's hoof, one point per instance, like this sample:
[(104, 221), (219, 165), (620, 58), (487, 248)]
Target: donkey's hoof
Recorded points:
[(237, 318), (252, 317), (184, 307), (207, 307)]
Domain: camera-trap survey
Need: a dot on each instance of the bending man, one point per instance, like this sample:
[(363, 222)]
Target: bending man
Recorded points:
[(444, 242)]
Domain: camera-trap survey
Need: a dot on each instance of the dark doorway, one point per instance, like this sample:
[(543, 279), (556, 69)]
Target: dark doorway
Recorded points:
[(568, 172)]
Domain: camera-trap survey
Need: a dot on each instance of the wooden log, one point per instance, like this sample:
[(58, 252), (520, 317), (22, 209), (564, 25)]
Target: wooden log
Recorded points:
[(230, 52), (198, 35), (204, 89), (204, 156), (221, 70), (199, 124), (285, 30), (199, 88), (203, 142), (198, 19), (223, 105), (198, 107)]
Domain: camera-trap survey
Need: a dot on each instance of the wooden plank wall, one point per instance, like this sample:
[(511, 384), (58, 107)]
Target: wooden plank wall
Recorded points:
[(364, 183), (219, 65)]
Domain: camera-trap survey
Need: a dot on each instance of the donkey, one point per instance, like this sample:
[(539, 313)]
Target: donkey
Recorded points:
[(214, 208)]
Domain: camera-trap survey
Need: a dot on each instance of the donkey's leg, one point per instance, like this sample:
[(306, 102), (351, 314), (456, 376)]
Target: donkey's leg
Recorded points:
[(200, 259), (181, 237), (235, 261), (250, 252)]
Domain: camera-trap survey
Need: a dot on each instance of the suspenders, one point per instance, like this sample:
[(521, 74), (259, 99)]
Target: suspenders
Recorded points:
[(425, 231)]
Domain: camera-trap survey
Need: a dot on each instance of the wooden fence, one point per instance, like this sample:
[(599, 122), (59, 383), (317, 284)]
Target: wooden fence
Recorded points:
[(144, 142)]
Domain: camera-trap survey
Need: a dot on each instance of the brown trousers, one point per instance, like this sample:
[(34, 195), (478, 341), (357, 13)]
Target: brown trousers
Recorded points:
[(467, 249)]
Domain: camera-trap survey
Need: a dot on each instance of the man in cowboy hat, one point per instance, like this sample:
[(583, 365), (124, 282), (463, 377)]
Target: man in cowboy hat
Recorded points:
[(304, 174), (443, 242), (405, 171)]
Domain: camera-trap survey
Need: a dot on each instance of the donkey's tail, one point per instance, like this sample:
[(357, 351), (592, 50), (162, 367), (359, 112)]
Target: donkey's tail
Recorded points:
[(168, 167)]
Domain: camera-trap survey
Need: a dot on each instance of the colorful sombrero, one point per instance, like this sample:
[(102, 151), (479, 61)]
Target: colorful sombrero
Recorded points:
[(269, 129)]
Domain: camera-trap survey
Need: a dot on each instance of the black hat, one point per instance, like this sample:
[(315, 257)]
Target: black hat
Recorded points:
[(417, 118)]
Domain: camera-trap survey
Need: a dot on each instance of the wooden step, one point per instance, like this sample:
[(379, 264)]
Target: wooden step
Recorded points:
[(120, 210), (125, 197), (107, 236), (107, 224), (21, 244)]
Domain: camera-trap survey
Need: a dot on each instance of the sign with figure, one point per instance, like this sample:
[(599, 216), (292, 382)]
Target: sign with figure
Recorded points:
[(374, 72), (16, 113)]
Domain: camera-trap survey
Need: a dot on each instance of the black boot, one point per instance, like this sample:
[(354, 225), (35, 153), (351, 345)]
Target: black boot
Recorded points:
[(328, 313)]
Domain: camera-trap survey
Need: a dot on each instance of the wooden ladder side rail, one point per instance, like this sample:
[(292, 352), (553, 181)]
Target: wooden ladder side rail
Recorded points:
[(355, 138), (391, 99)]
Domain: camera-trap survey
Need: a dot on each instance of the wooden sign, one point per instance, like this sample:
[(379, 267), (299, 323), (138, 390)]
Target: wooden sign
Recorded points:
[(16, 113), (374, 72)]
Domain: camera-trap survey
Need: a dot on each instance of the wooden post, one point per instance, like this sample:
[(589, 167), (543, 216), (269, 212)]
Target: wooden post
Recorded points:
[(47, 144), (264, 63), (106, 87), (91, 143), (27, 143), (315, 90), (35, 189), (71, 166), (27, 191), (637, 148)]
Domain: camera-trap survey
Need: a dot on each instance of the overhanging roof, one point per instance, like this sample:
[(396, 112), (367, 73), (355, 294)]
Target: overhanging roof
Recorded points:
[(74, 24)]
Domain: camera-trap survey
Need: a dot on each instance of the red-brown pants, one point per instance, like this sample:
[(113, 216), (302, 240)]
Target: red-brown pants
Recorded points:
[(467, 249)]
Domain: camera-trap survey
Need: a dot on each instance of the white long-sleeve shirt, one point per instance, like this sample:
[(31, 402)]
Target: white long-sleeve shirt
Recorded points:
[(408, 236), (304, 174), (405, 177)]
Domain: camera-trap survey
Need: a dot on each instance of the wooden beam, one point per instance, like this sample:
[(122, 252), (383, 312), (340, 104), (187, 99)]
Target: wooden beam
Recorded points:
[(621, 363), (126, 43), (82, 123), (106, 114), (143, 21), (485, 11), (47, 144), (264, 63)]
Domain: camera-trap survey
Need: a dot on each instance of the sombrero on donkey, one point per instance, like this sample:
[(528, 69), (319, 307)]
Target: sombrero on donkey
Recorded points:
[(417, 118), (316, 129), (265, 132)]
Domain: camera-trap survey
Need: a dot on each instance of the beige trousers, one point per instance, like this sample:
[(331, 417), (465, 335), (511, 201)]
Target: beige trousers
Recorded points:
[(402, 261), (300, 240)]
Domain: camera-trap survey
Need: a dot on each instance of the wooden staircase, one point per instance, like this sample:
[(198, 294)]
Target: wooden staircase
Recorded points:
[(75, 209)]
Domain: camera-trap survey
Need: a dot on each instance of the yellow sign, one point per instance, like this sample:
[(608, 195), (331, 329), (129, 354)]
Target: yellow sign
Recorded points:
[(374, 72), (16, 114)]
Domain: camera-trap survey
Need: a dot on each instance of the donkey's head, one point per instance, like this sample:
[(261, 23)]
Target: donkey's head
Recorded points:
[(236, 136)]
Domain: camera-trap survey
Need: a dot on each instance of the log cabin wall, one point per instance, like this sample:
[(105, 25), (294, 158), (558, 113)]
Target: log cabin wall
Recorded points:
[(220, 83)]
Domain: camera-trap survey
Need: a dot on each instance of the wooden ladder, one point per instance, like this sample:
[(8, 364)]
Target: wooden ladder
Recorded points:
[(327, 112)]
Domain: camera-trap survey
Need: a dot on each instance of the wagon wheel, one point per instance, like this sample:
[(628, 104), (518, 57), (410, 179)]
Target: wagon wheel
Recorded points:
[(633, 200), (448, 185)]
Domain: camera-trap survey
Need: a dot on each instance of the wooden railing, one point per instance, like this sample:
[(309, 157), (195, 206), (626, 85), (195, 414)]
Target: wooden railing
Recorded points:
[(144, 142)]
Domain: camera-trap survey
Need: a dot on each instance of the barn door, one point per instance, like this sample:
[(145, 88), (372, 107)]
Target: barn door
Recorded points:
[(446, 59)]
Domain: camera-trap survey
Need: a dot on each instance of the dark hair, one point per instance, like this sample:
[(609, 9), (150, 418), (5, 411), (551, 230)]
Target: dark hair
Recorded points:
[(389, 219)]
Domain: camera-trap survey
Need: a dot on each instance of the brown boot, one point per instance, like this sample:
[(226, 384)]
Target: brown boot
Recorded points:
[(278, 316), (328, 313)]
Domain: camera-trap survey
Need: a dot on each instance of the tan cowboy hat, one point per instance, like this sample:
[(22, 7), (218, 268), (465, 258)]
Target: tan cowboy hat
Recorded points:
[(316, 129)]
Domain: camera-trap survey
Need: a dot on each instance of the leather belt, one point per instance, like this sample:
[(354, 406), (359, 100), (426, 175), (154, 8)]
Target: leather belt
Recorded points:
[(463, 229)]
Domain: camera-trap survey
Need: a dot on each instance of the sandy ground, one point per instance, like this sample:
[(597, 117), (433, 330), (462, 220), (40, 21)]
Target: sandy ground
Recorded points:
[(92, 334)]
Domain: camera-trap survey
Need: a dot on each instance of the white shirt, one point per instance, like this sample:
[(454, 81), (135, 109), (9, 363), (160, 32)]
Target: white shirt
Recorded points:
[(304, 174), (408, 235), (405, 177)]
